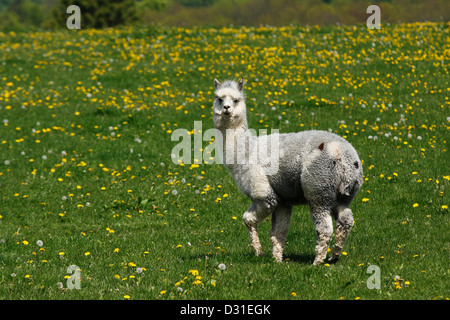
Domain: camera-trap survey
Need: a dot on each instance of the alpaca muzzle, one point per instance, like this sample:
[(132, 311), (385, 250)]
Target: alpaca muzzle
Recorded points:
[(227, 110)]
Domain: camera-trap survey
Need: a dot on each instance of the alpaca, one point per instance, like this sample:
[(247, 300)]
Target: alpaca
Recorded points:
[(317, 168)]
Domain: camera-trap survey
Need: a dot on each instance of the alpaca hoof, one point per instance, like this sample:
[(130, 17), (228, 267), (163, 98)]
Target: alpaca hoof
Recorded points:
[(333, 259), (278, 259), (317, 262), (258, 249)]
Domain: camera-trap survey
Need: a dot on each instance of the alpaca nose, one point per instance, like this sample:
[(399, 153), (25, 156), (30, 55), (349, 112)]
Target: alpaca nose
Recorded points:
[(227, 108)]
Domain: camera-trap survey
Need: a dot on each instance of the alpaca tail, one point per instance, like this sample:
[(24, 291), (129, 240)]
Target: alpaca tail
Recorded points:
[(351, 173)]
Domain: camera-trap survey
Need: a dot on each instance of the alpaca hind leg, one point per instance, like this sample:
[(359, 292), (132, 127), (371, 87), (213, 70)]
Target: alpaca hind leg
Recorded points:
[(344, 224), (324, 231), (252, 217), (280, 226)]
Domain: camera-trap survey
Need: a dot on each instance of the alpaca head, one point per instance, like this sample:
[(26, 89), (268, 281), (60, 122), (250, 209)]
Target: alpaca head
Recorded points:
[(229, 105)]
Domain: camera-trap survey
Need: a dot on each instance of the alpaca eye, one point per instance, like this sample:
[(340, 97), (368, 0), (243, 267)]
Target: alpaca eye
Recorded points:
[(219, 99), (236, 100)]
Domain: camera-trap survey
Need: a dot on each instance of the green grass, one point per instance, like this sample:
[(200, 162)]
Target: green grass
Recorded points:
[(111, 99)]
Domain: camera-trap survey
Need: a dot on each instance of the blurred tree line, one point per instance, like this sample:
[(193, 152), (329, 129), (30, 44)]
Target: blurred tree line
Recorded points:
[(50, 14)]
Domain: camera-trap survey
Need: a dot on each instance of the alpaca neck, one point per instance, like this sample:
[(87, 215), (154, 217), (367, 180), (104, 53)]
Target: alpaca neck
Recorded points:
[(236, 144)]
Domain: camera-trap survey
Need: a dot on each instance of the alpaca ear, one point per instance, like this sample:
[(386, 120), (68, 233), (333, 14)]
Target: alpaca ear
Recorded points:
[(217, 83), (241, 84)]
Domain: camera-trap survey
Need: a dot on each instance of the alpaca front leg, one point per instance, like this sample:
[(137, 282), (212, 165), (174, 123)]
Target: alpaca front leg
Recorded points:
[(281, 219), (324, 231), (254, 239), (344, 224), (252, 217)]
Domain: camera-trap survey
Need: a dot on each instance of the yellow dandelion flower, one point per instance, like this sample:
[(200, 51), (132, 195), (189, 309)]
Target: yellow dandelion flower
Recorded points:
[(194, 272)]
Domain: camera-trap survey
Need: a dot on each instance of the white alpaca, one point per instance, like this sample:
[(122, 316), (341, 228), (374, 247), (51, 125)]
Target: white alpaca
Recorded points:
[(317, 168)]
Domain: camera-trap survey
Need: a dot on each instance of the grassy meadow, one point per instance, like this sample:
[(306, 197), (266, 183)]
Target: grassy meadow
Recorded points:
[(86, 176)]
